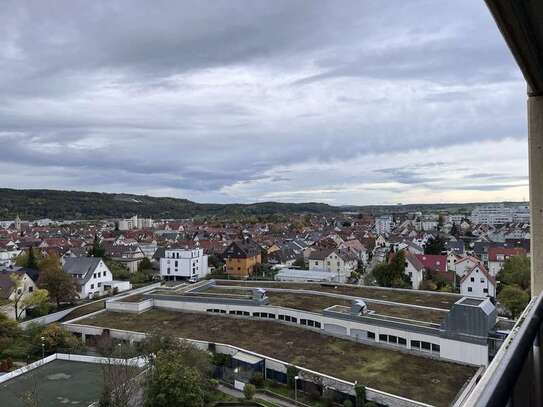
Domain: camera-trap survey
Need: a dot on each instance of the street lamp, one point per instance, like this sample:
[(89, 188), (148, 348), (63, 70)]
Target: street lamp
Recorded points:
[(42, 347), (296, 388)]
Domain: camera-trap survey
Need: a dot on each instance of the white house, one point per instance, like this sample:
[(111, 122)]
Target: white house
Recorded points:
[(91, 275), (464, 264), (183, 264), (478, 282), (414, 269), (341, 263)]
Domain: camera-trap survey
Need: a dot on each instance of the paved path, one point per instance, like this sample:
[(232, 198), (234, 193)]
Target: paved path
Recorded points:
[(258, 396)]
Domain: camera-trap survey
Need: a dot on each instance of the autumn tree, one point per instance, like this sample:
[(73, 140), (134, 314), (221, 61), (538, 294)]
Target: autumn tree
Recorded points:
[(56, 281)]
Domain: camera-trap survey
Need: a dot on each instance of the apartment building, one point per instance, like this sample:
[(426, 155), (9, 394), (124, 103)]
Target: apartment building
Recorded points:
[(183, 264)]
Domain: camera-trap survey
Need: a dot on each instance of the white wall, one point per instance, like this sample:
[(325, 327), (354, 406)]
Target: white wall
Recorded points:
[(190, 263), (95, 286)]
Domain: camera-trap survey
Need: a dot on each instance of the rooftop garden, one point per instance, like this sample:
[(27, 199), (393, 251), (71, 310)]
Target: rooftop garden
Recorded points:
[(413, 297), (422, 379)]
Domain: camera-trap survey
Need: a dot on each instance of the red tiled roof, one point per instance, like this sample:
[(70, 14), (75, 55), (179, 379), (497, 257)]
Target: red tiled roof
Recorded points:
[(433, 261), (493, 252)]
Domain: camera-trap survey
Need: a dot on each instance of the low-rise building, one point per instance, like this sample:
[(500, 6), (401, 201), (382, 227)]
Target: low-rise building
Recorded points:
[(497, 256), (478, 282), (90, 274), (183, 264), (340, 263), (242, 257)]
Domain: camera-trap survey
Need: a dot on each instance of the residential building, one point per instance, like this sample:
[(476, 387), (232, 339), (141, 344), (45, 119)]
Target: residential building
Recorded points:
[(9, 291), (414, 269), (384, 224), (498, 255), (341, 263), (135, 223), (183, 264), (90, 274), (478, 282), (242, 257), (495, 214)]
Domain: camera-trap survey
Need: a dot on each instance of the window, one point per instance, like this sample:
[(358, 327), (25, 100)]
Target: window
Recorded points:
[(371, 335), (99, 284), (470, 289), (281, 317), (271, 316), (435, 348), (92, 286), (382, 338), (425, 345), (311, 323), (168, 270), (392, 339), (30, 289), (256, 314), (263, 315), (485, 290), (294, 319), (246, 313), (303, 322), (94, 275), (402, 341), (232, 312), (176, 263), (223, 311), (482, 280), (317, 324), (415, 344), (472, 279), (209, 310)]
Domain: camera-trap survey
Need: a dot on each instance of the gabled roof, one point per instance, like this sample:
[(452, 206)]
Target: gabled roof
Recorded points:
[(81, 265), (482, 269), (435, 262), (321, 254), (415, 262)]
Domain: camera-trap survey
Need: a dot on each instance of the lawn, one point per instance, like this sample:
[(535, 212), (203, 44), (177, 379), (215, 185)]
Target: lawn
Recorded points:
[(316, 303), (418, 378), (413, 297), (84, 310)]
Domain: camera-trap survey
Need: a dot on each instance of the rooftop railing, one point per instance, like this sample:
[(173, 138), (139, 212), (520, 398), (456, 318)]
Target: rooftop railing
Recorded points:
[(513, 378)]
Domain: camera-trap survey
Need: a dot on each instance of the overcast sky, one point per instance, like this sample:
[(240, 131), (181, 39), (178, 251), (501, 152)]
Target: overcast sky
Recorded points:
[(343, 102)]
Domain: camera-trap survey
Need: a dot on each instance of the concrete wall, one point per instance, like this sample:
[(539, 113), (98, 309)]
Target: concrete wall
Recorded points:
[(130, 307)]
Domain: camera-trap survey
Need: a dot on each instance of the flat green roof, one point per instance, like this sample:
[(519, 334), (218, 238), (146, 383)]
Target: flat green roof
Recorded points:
[(56, 383)]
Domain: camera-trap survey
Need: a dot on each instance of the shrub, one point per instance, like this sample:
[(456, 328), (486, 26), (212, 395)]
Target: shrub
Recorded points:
[(347, 403), (257, 379), (291, 373), (249, 391)]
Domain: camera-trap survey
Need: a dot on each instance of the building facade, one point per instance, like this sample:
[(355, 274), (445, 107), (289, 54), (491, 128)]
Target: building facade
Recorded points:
[(183, 264)]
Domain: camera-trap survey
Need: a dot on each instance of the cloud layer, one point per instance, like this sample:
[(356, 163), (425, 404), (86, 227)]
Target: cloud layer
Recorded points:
[(354, 102)]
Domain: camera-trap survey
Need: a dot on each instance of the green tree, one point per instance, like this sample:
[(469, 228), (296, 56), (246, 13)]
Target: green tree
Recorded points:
[(32, 260), (56, 338), (97, 249), (514, 299), (435, 245), (516, 271), (300, 263), (118, 270), (249, 391), (393, 273), (38, 301), (145, 264), (180, 375), (56, 281)]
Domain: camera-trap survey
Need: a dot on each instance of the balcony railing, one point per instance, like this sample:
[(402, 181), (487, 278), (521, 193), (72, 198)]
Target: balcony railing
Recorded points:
[(513, 378)]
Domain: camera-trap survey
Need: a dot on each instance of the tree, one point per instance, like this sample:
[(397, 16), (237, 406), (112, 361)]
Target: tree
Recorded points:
[(38, 300), (118, 270), (180, 375), (249, 391), (145, 264), (514, 299), (435, 245), (292, 372), (55, 338), (97, 249), (18, 295), (300, 263), (516, 271), (56, 281), (32, 260), (392, 274)]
